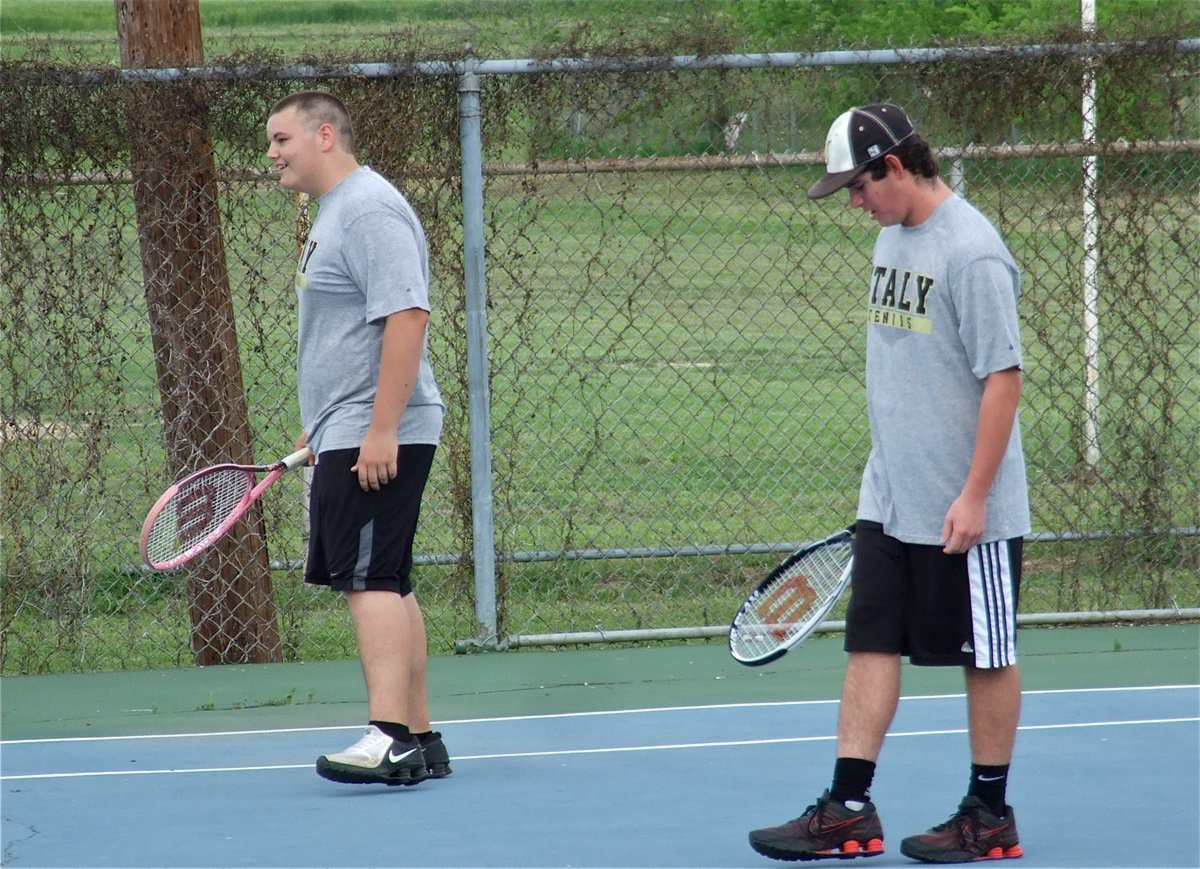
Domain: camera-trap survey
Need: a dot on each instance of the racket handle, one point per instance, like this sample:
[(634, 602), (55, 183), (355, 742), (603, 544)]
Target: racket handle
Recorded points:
[(296, 459)]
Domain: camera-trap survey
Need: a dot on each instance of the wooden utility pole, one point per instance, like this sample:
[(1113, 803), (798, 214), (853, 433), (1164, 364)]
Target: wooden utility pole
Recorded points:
[(204, 411)]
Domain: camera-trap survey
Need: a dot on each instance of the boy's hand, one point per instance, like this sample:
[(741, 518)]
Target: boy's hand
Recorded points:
[(376, 465), (964, 525)]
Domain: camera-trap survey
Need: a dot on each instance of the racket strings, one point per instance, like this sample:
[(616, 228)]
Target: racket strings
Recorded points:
[(788, 605), (196, 512)]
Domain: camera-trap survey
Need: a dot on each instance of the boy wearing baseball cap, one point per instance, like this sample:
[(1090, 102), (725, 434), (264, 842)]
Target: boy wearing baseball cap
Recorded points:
[(943, 503)]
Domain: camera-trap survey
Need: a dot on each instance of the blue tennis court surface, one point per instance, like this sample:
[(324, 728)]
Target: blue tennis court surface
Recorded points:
[(1104, 776)]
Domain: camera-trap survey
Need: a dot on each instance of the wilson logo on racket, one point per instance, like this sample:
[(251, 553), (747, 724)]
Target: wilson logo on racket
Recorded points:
[(794, 595), (196, 509)]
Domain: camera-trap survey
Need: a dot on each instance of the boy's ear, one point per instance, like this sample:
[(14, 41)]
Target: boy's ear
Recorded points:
[(328, 136)]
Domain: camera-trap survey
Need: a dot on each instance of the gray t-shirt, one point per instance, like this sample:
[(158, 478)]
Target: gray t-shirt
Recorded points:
[(941, 317), (365, 259)]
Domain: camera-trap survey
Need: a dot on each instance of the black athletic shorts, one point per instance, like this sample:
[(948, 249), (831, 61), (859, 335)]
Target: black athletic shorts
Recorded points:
[(363, 541), (939, 610)]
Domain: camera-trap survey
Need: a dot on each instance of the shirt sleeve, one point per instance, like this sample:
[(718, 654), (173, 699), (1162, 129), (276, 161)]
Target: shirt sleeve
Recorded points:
[(986, 298), (384, 258)]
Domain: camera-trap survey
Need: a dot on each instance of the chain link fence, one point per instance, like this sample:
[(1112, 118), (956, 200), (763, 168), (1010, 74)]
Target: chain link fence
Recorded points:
[(674, 342)]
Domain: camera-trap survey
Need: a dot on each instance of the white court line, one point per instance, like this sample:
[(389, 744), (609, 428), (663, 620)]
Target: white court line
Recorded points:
[(590, 714), (612, 750)]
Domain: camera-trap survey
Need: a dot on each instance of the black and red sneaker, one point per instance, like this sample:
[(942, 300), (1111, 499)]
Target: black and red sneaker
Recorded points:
[(826, 829), (973, 833)]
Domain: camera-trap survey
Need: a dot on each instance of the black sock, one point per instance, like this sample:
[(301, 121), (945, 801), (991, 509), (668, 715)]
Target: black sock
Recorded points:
[(394, 730), (424, 737), (989, 784), (852, 777)]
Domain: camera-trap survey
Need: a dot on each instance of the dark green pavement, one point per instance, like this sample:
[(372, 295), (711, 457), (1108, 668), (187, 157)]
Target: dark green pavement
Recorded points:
[(530, 682)]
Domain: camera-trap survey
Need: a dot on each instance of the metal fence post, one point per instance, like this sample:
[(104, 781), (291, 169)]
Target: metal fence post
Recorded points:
[(1091, 256), (482, 519)]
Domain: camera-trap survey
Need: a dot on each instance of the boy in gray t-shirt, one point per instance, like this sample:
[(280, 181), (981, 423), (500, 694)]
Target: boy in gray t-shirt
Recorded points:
[(943, 504), (371, 414)]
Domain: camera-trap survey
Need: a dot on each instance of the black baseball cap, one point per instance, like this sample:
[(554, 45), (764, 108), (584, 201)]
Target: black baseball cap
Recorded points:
[(857, 137)]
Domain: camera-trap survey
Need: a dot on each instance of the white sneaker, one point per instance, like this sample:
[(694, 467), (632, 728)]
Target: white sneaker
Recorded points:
[(375, 758)]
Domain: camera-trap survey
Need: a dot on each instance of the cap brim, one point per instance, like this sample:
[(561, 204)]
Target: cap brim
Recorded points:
[(832, 183)]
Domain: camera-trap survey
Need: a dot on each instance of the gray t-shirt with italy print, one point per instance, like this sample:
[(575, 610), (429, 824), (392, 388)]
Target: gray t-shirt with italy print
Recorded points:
[(941, 317)]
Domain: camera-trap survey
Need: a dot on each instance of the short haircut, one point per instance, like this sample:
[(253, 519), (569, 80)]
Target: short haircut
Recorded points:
[(915, 155), (321, 108)]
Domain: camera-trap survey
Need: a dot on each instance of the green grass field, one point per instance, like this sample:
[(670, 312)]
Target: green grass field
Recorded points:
[(494, 28), (520, 28)]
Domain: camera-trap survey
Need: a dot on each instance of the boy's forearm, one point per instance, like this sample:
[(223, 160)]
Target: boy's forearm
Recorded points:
[(997, 416), (399, 363)]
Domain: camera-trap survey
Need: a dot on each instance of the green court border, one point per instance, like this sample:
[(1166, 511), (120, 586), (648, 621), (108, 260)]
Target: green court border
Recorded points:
[(330, 694)]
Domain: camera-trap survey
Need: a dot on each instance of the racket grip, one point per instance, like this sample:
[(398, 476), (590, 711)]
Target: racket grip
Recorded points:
[(297, 459)]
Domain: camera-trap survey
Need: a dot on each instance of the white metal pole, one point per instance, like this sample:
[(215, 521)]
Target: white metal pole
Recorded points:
[(1091, 255)]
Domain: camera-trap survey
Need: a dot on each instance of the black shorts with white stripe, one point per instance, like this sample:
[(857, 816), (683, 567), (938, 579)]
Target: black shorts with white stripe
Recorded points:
[(937, 609)]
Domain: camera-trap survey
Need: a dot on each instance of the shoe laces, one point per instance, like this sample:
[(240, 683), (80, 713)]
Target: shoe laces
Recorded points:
[(370, 745), (966, 821), (813, 813)]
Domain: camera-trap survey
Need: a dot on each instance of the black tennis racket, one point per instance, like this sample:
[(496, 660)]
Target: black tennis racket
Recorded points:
[(792, 600), (199, 510)]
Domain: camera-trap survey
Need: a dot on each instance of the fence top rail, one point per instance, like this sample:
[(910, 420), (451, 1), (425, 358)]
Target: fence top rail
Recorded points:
[(472, 66)]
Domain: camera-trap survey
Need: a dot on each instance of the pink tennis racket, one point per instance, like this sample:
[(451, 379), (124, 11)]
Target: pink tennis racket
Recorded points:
[(196, 512)]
